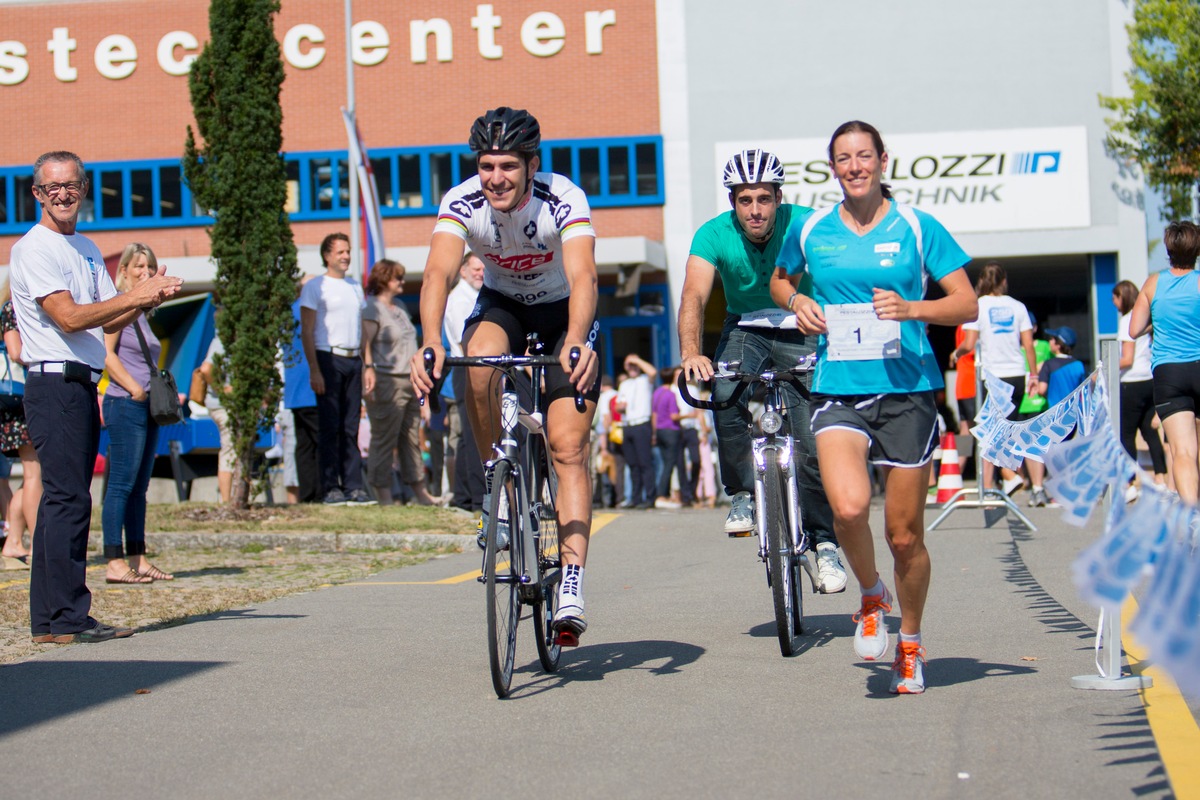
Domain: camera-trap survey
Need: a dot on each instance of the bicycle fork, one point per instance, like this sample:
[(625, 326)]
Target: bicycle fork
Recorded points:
[(781, 449)]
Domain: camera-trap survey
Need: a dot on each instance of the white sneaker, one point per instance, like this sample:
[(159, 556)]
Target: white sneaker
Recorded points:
[(666, 502), (908, 670), (740, 521), (831, 575), (1132, 493), (569, 617), (1011, 485), (871, 633)]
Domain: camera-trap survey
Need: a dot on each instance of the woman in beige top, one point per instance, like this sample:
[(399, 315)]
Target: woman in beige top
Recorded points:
[(389, 343)]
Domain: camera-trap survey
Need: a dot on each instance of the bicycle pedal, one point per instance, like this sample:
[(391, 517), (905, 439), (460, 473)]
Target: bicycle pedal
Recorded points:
[(739, 534), (566, 638)]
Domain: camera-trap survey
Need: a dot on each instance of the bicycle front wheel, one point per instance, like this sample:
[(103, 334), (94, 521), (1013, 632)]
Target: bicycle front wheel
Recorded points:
[(501, 575), (549, 570), (781, 560)]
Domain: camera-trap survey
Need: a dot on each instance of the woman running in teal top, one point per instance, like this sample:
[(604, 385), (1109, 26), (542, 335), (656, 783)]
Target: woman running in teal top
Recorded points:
[(1171, 301), (869, 259)]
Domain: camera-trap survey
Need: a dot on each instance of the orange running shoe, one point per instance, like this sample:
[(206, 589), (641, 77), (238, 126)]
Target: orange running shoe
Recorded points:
[(871, 635), (908, 670)]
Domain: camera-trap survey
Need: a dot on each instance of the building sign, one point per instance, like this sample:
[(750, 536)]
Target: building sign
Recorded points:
[(116, 56), (972, 181)]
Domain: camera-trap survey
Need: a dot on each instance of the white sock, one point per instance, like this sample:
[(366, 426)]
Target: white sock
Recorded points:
[(572, 581), (875, 591), (910, 638)]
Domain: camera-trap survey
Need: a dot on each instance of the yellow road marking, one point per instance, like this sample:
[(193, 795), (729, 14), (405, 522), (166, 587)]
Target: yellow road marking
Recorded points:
[(598, 522), (1175, 730)]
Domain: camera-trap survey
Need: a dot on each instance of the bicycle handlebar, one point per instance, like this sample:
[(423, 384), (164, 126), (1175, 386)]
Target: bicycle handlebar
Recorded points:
[(731, 371), (501, 362)]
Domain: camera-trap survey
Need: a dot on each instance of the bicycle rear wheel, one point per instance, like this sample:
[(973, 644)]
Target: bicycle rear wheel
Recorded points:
[(549, 569), (781, 560), (501, 575)]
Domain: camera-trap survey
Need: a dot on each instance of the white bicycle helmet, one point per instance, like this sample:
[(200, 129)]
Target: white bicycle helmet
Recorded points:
[(753, 166)]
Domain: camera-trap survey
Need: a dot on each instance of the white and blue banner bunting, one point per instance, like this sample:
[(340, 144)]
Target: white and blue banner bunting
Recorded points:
[(1154, 540)]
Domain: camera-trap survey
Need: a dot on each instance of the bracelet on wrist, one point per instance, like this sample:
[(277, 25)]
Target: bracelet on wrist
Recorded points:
[(368, 366), (791, 300)]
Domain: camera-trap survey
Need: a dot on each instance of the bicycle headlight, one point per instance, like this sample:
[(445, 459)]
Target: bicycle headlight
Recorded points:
[(770, 422)]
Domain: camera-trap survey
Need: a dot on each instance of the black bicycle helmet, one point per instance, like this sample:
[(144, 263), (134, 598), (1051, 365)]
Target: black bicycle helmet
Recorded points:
[(506, 128)]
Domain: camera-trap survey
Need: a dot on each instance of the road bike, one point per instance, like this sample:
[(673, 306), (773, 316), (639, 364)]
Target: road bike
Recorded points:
[(782, 541), (519, 527)]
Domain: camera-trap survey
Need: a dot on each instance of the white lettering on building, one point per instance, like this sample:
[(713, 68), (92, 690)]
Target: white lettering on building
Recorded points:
[(542, 34), (116, 57), (13, 66), (486, 23), (167, 45), (368, 43), (419, 32), (595, 22), (61, 46), (291, 46)]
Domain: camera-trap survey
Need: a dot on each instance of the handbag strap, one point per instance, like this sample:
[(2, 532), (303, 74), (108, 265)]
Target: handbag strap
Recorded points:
[(145, 347)]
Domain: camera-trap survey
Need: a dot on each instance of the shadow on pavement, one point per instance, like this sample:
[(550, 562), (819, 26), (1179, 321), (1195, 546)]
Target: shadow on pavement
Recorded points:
[(819, 631), (593, 662), (1129, 740), (1045, 608), (38, 691)]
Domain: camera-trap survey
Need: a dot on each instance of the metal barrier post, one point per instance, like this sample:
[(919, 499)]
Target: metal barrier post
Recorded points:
[(985, 498), (1108, 644)]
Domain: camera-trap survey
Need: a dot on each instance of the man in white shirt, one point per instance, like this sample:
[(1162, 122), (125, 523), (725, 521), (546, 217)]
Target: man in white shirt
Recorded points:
[(634, 402), (331, 330), (65, 302), (467, 472)]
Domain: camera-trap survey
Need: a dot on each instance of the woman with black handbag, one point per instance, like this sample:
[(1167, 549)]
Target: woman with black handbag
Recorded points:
[(132, 359)]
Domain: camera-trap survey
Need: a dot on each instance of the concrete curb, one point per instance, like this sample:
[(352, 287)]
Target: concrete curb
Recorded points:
[(315, 541)]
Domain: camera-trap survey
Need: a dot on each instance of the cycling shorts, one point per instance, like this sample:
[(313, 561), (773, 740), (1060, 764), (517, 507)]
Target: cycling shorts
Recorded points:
[(1176, 388)]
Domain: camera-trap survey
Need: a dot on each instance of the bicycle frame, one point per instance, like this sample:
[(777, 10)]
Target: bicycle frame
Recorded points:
[(781, 447)]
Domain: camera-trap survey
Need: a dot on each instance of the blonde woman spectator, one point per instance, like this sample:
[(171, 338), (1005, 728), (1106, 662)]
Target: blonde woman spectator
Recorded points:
[(132, 432), (389, 343), (14, 440)]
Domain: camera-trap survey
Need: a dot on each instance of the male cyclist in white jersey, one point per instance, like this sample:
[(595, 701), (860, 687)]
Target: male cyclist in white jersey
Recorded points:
[(534, 234)]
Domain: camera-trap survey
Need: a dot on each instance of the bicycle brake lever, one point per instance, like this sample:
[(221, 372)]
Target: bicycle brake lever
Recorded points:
[(580, 402)]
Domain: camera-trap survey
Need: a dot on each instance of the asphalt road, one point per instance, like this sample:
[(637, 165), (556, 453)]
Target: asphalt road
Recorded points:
[(381, 689)]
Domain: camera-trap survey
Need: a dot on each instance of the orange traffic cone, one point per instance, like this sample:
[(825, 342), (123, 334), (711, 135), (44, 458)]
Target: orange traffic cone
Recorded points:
[(950, 476)]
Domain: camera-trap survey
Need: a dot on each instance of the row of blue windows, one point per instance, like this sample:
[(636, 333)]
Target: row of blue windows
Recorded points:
[(614, 172)]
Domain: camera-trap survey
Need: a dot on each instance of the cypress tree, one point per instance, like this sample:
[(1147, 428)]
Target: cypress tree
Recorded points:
[(238, 174)]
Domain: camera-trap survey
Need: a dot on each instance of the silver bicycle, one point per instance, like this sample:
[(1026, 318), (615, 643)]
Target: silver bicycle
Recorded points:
[(782, 541)]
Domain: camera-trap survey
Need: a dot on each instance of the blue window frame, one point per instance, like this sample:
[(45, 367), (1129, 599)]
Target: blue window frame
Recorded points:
[(614, 172)]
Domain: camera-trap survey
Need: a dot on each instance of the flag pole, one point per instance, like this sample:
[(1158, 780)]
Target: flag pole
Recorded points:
[(356, 268)]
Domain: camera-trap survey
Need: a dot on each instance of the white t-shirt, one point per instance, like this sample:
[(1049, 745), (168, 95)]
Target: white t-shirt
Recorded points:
[(637, 395), (521, 250), (44, 262), (459, 306), (339, 305), (1001, 322), (1140, 371)]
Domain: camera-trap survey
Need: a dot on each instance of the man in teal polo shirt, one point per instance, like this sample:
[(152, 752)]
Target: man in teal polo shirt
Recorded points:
[(742, 245)]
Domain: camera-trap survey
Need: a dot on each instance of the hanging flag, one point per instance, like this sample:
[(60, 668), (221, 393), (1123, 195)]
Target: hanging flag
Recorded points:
[(368, 197)]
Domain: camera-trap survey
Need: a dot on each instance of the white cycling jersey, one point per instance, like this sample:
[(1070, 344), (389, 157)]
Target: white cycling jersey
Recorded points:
[(521, 250)]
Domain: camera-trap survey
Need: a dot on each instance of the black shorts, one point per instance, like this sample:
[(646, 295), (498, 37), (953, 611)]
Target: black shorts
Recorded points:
[(547, 320), (966, 411), (902, 428), (1176, 388), (1018, 395)]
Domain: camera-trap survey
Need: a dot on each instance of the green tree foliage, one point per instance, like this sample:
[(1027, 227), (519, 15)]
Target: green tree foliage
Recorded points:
[(1159, 126), (238, 173)]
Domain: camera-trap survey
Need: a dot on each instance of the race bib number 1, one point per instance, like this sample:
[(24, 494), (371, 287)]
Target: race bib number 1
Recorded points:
[(856, 334)]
